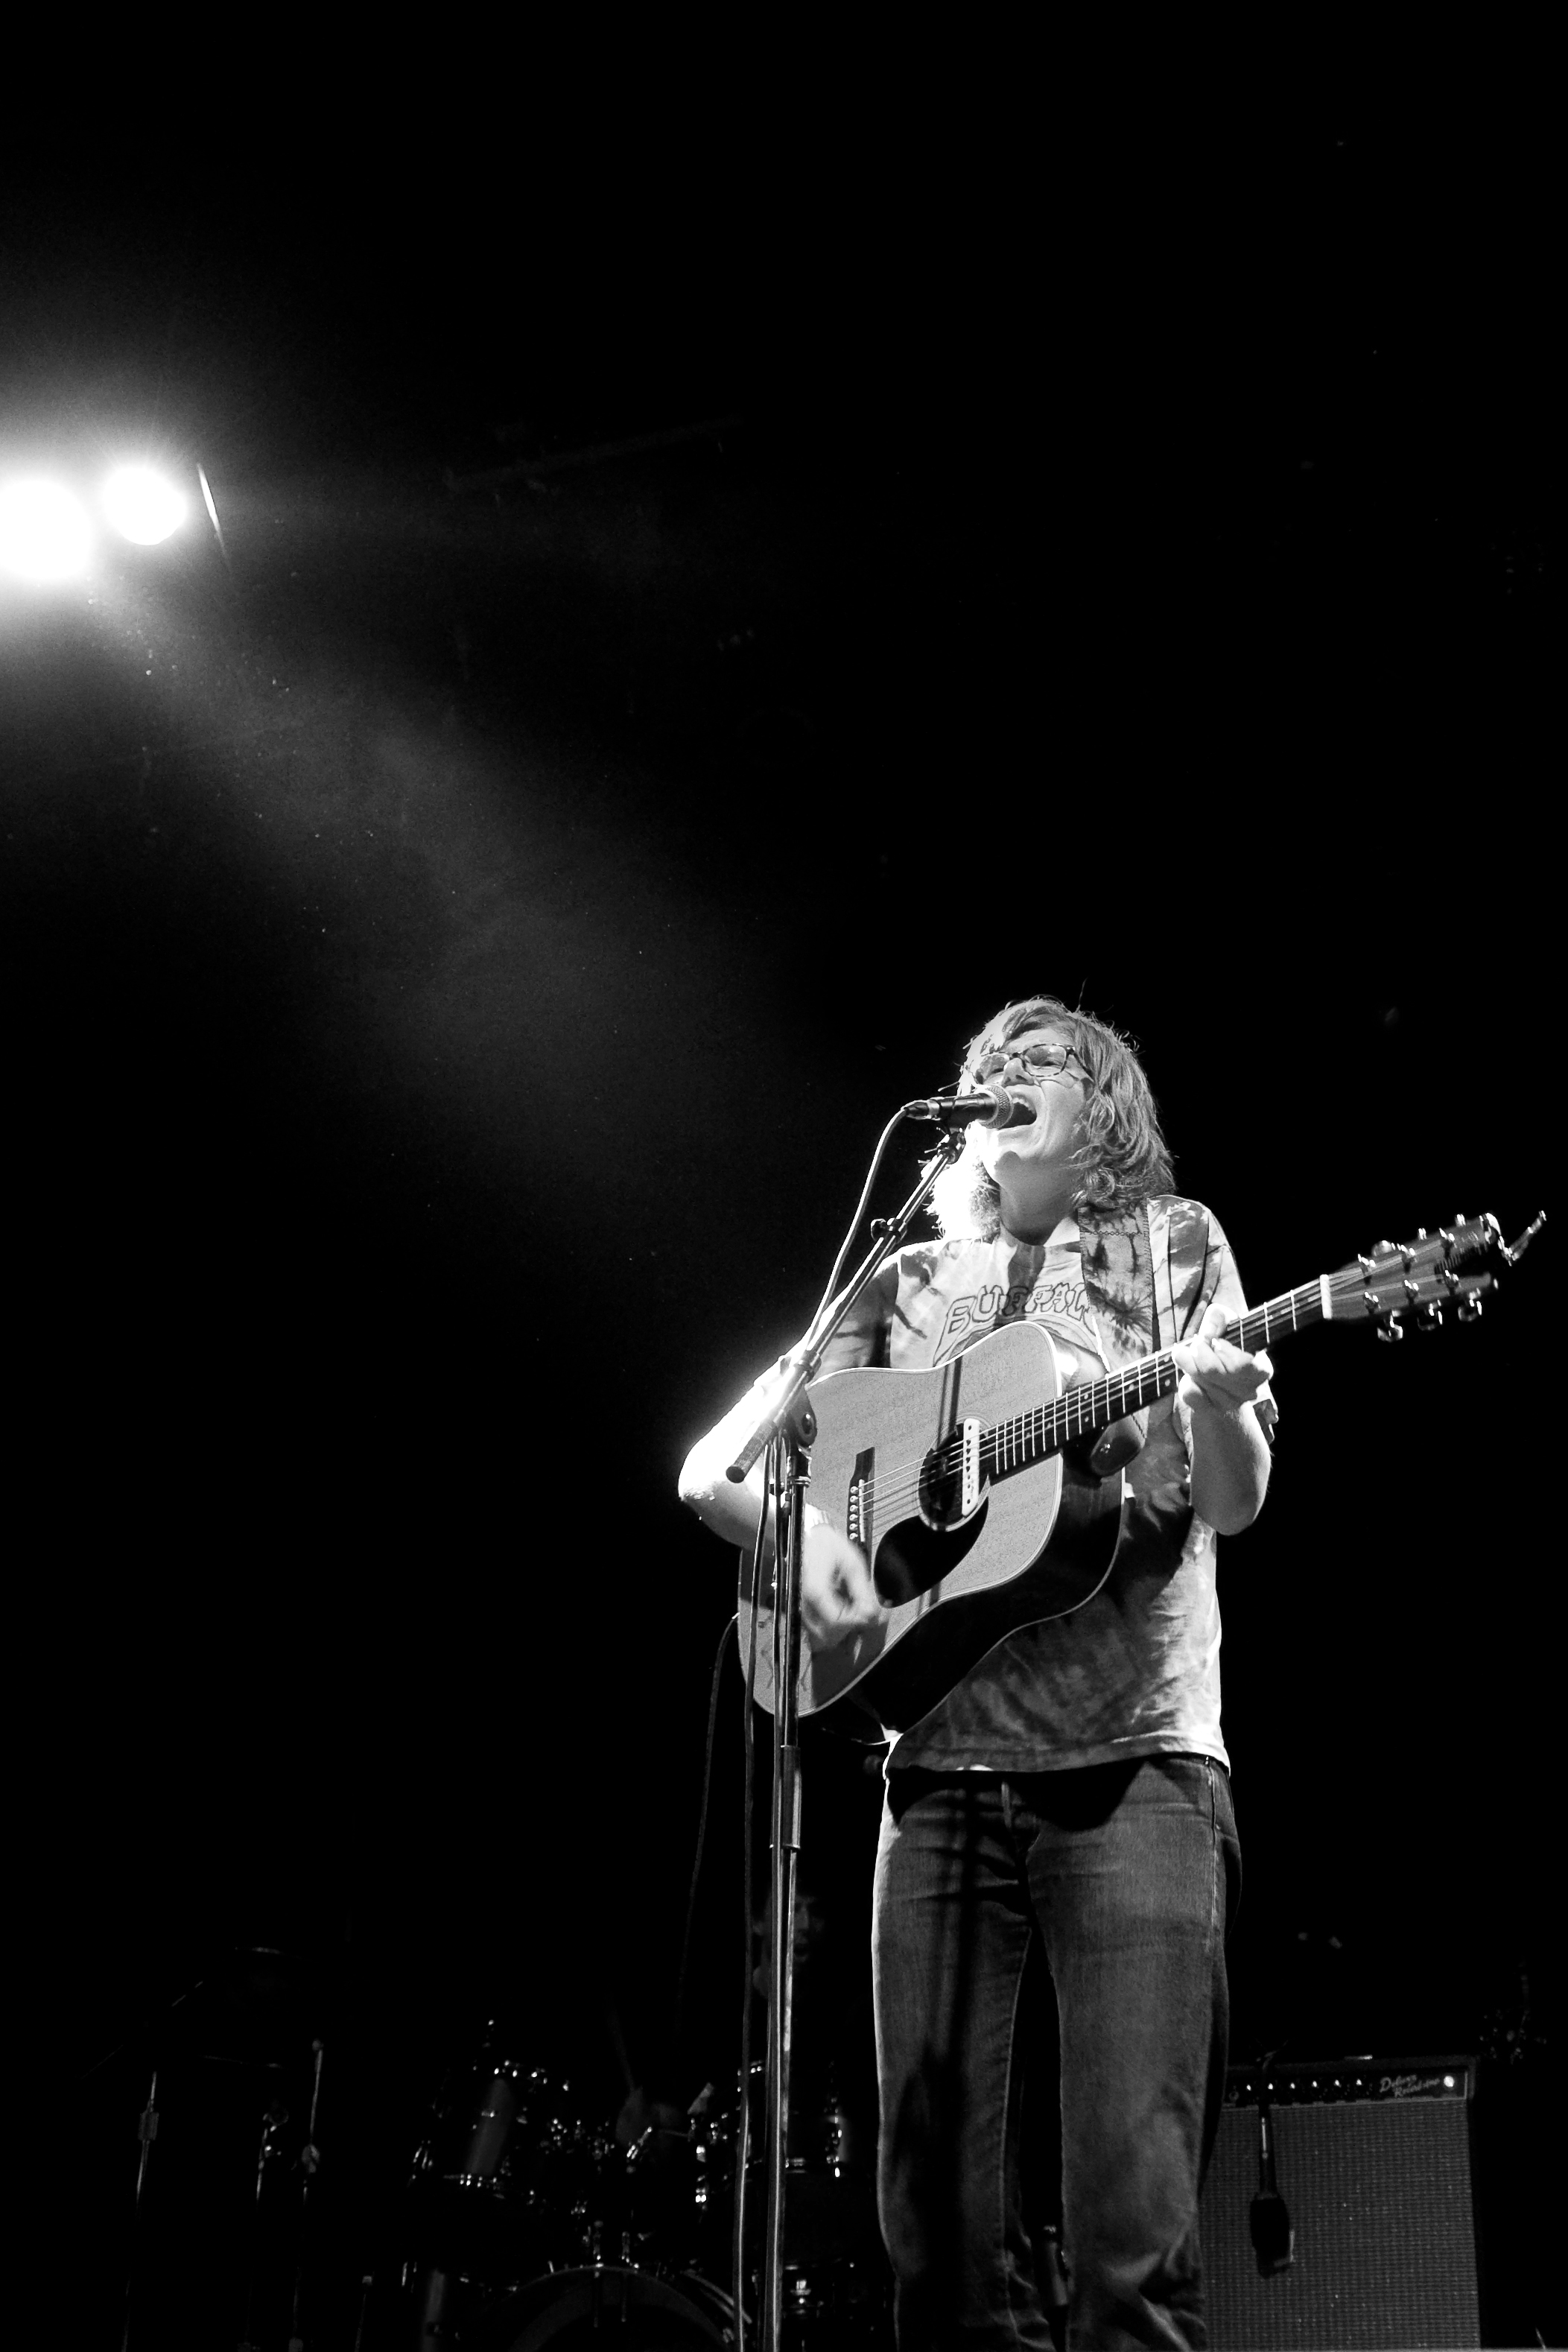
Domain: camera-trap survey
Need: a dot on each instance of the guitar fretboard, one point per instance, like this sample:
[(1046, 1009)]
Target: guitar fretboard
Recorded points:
[(1082, 1412)]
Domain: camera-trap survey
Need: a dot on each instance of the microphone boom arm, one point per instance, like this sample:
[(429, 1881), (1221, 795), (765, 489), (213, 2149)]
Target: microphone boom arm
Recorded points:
[(784, 1402)]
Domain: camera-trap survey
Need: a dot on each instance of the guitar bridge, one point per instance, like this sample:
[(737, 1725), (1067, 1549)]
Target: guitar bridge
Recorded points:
[(969, 1475), (858, 1503)]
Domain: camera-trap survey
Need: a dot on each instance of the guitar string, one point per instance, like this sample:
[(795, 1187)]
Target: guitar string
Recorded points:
[(1089, 1406)]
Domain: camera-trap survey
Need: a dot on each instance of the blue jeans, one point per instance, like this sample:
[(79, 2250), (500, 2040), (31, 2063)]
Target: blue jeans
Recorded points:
[(1123, 1874)]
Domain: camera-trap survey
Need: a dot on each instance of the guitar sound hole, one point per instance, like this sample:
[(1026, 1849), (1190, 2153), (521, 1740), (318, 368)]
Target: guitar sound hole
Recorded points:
[(941, 1488)]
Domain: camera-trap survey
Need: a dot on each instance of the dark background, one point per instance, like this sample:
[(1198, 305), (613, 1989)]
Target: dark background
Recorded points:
[(464, 947)]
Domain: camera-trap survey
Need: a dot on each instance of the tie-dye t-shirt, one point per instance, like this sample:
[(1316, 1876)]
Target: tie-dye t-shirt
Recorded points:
[(1135, 1671)]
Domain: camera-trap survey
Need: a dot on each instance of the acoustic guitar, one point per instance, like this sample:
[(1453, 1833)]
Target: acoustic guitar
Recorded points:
[(965, 1488)]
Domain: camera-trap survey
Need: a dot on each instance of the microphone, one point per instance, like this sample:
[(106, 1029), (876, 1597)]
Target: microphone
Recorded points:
[(993, 1107)]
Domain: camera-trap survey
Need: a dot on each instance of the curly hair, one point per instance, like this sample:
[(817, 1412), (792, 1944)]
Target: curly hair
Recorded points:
[(1124, 1157)]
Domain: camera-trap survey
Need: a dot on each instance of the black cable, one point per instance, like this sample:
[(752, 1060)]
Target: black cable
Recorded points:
[(733, 1627), (836, 1274)]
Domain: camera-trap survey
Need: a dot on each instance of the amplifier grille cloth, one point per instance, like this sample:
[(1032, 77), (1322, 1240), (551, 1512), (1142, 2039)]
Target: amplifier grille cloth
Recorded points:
[(1385, 2253)]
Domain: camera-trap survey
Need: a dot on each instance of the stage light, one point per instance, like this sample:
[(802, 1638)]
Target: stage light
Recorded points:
[(44, 533), (142, 505)]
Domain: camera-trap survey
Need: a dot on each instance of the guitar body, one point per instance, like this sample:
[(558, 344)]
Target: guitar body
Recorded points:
[(1034, 1543)]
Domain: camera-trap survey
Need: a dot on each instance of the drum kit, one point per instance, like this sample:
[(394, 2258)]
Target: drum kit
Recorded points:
[(533, 2224)]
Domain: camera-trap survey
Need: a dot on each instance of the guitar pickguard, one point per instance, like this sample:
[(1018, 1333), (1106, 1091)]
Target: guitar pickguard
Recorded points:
[(908, 1556), (916, 1555)]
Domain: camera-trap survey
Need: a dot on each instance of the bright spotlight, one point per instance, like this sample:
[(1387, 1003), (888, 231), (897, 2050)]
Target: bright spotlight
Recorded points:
[(44, 533), (142, 505)]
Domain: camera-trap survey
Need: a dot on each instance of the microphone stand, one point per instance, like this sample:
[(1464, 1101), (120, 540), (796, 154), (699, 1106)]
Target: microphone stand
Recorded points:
[(784, 1428)]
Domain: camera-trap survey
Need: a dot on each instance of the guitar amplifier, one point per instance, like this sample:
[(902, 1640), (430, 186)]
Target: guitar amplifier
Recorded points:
[(1373, 2160)]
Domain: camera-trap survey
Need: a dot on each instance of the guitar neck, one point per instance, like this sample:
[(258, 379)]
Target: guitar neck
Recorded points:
[(1423, 1275), (1082, 1412)]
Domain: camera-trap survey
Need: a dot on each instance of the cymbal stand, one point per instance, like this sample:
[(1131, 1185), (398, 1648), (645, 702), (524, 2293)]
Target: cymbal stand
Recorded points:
[(146, 2132), (274, 2115), (784, 1428), (309, 2163), (152, 2029)]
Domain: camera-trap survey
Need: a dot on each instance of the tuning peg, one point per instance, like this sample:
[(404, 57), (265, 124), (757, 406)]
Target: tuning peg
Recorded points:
[(1470, 1307), (1392, 1329), (1430, 1318)]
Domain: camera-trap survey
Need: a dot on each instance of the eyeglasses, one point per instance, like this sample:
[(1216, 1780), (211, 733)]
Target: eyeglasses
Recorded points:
[(1043, 1061)]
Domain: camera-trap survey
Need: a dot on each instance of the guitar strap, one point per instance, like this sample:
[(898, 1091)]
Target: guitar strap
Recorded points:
[(1159, 1213), (1123, 1262), (1127, 1279)]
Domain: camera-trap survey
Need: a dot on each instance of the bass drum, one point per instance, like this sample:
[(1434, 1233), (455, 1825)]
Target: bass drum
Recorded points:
[(637, 2311)]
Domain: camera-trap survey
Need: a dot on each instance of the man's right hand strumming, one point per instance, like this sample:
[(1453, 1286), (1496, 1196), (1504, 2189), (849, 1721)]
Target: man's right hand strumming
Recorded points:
[(836, 1595)]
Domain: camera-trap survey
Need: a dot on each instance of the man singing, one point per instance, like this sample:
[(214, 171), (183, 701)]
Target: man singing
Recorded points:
[(1059, 1823)]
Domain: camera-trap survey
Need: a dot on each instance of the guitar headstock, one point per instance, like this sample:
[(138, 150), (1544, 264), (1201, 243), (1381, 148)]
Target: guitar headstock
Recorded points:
[(1457, 1266)]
